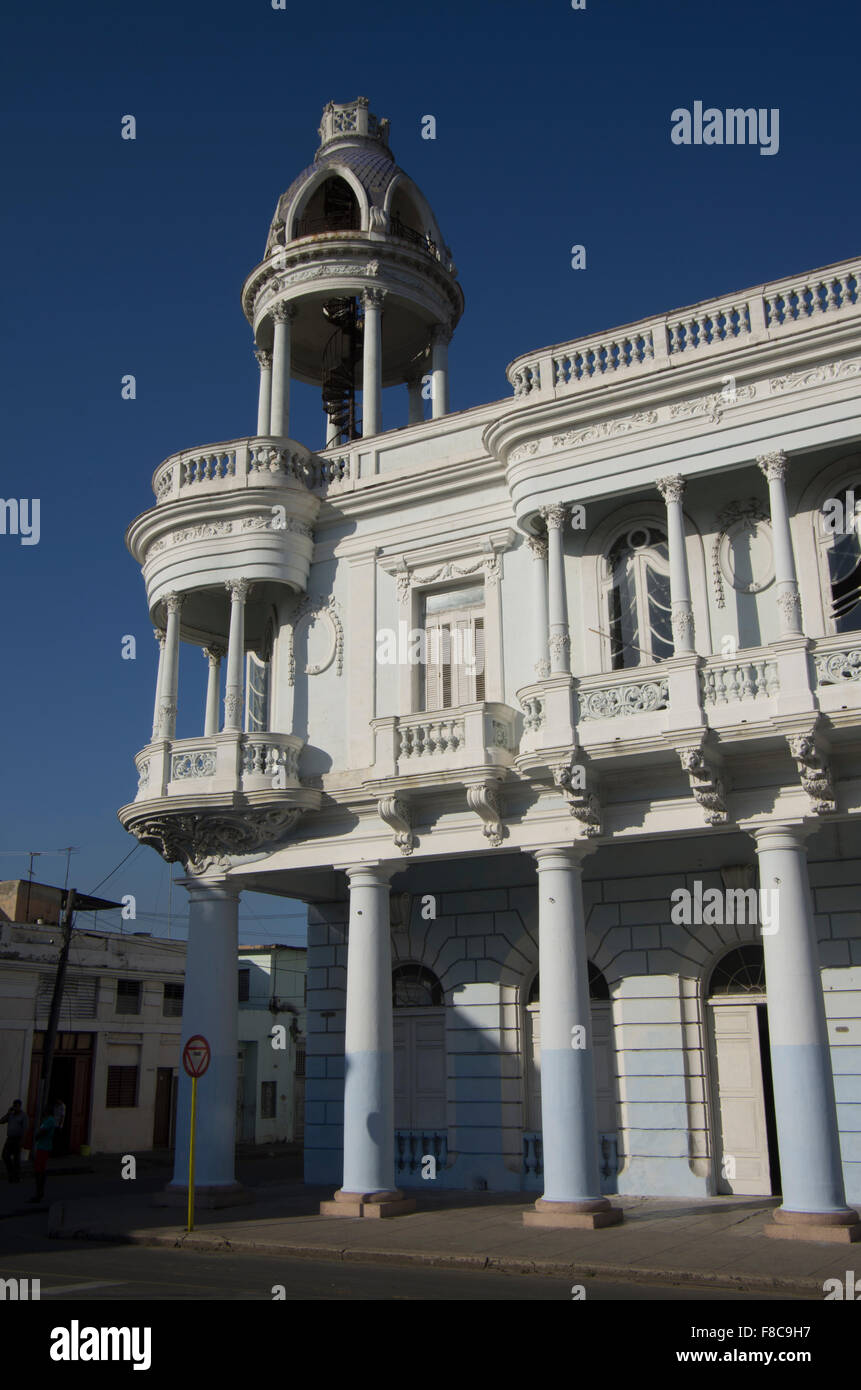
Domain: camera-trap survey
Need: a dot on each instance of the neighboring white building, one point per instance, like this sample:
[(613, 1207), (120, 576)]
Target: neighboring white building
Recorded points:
[(270, 1101), (117, 1052), (522, 677)]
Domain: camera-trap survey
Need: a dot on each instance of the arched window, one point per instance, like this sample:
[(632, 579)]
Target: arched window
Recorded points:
[(740, 971), (332, 207), (598, 987), (637, 585), (839, 541), (414, 986)]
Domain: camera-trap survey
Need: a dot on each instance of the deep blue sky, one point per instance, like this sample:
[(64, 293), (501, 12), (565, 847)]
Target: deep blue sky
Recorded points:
[(553, 128)]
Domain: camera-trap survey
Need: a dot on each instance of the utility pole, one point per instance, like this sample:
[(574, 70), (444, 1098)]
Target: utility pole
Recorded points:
[(34, 854), (56, 1002)]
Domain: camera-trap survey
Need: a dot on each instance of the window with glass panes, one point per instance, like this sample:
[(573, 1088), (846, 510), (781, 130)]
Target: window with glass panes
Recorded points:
[(638, 598), (453, 623)]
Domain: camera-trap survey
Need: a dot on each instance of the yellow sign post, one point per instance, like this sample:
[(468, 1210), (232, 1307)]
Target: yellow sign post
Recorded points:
[(195, 1059)]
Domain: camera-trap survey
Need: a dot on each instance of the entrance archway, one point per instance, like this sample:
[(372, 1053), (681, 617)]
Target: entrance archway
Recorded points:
[(744, 1126)]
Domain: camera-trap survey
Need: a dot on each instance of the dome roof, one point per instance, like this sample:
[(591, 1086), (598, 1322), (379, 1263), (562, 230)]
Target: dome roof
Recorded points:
[(354, 143)]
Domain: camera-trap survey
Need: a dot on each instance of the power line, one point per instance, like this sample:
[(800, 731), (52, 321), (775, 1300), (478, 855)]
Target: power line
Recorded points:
[(132, 851)]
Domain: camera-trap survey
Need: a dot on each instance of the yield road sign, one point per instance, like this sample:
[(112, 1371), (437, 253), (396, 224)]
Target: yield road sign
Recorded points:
[(196, 1055)]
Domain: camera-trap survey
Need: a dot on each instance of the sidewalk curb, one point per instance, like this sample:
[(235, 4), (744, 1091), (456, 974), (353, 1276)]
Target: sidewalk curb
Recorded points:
[(503, 1264)]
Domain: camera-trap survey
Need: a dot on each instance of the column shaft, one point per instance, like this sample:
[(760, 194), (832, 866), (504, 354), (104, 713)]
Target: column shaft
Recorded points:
[(810, 1164), (568, 1116), (234, 688), (369, 1100), (159, 634), (372, 354), (264, 399), (213, 684), (279, 422), (209, 1008), (672, 490), (538, 548), (557, 604), (416, 409), (439, 367), (170, 673), (786, 579)]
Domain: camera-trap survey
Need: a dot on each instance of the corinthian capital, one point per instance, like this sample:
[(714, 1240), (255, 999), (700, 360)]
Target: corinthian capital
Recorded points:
[(672, 488), (773, 465), (237, 588), (538, 547), (373, 299), (282, 312), (554, 516), (441, 333), (264, 359), (173, 602), (214, 653)]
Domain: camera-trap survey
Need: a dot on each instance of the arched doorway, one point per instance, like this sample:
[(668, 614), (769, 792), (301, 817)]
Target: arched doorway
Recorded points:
[(606, 1089), (419, 1047), (745, 1131)]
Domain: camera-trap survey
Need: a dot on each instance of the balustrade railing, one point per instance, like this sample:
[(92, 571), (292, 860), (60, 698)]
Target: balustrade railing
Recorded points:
[(623, 698), (413, 1146), (835, 667), (672, 340), (426, 736), (247, 463), (229, 761), (724, 682)]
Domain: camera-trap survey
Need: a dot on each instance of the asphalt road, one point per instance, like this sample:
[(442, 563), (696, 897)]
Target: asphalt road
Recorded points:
[(84, 1271)]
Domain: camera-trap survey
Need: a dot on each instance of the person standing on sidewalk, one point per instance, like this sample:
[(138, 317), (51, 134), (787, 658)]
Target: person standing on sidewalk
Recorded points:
[(15, 1120), (43, 1143)]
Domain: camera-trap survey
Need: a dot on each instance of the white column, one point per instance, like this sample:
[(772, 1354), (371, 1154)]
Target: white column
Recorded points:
[(440, 339), (416, 403), (557, 603), (213, 684), (538, 549), (170, 673), (372, 363), (264, 399), (572, 1184), (811, 1170), (279, 421), (369, 1088), (159, 635), (209, 1008), (672, 489), (234, 688), (786, 579), (332, 431)]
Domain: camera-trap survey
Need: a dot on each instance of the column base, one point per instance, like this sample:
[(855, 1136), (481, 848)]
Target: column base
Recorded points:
[(373, 1205), (205, 1198), (581, 1216), (834, 1227)]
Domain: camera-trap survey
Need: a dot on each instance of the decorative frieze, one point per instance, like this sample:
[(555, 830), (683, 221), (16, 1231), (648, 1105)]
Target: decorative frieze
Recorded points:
[(604, 429), (194, 763), (834, 667), (616, 701), (713, 406), (817, 376)]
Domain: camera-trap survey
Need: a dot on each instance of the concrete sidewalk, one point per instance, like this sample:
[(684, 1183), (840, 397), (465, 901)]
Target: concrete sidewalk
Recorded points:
[(717, 1243)]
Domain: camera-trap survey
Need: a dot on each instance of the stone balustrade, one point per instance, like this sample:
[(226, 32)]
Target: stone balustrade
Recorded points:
[(673, 340), (471, 736), (752, 676), (220, 763), (246, 463), (624, 696)]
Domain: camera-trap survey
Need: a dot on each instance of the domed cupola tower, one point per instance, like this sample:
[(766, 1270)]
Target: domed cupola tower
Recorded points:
[(357, 290)]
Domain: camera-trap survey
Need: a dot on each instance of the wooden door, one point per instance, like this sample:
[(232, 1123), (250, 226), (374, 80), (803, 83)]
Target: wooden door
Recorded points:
[(741, 1133)]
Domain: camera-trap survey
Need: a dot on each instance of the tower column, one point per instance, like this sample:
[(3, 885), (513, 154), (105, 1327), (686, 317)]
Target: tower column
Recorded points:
[(264, 399), (213, 684), (538, 549), (557, 602), (672, 489), (238, 590), (572, 1185), (786, 579), (372, 363), (209, 1008), (814, 1199), (369, 1094), (167, 700), (416, 403), (332, 431), (440, 339), (159, 635), (282, 315)]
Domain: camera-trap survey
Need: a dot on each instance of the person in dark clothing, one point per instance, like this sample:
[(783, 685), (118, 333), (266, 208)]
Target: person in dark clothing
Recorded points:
[(43, 1143), (16, 1121)]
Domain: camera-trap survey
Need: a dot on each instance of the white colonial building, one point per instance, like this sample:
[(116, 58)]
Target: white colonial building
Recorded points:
[(566, 682)]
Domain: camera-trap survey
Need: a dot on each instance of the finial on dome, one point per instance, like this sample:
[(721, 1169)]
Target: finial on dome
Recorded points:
[(352, 120)]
